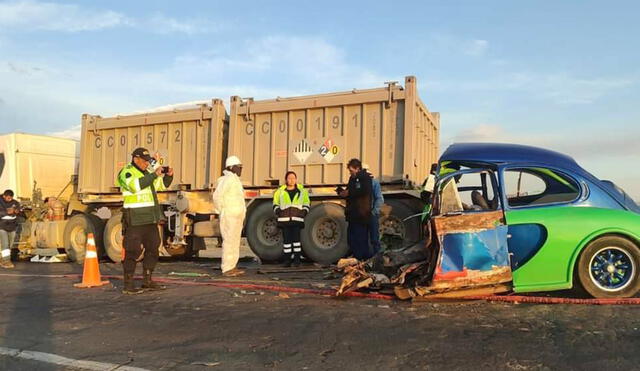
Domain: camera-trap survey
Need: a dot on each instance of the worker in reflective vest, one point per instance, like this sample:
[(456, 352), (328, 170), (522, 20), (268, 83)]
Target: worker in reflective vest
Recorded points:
[(291, 206), (141, 215)]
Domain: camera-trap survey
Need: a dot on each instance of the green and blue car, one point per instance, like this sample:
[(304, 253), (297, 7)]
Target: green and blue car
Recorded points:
[(531, 219)]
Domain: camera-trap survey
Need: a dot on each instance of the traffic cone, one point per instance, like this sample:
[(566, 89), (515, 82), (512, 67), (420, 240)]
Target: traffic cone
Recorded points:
[(91, 274)]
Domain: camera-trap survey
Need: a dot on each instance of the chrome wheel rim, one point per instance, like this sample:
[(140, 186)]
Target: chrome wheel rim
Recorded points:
[(612, 269)]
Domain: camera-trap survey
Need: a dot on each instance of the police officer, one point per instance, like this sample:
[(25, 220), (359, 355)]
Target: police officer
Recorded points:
[(141, 214), (291, 205)]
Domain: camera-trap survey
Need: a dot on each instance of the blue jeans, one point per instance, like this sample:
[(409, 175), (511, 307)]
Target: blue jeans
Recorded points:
[(358, 240), (6, 243), (374, 233)]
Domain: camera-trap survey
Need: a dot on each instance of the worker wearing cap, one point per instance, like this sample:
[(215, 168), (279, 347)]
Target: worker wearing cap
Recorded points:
[(141, 214), (228, 201)]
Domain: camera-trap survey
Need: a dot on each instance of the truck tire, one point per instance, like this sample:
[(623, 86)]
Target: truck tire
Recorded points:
[(608, 268), (392, 222), (324, 238), (75, 236), (113, 238), (263, 234)]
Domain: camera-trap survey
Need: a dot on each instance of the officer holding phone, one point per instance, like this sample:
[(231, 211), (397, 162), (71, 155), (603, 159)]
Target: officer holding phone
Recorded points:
[(141, 214)]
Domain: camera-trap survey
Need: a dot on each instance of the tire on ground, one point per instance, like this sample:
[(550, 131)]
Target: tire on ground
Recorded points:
[(75, 236), (324, 238), (262, 232), (113, 237), (626, 267), (391, 222)]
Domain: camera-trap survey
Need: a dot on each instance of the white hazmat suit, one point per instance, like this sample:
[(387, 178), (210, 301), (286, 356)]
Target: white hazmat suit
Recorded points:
[(228, 199)]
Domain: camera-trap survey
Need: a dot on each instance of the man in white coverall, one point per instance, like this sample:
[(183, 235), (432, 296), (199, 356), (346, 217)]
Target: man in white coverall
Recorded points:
[(228, 199)]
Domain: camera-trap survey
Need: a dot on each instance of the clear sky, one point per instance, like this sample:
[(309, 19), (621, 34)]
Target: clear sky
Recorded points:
[(559, 74)]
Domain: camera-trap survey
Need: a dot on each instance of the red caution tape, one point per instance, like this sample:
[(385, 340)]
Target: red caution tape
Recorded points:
[(327, 292)]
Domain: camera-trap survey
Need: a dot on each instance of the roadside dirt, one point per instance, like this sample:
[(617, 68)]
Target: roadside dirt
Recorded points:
[(201, 328)]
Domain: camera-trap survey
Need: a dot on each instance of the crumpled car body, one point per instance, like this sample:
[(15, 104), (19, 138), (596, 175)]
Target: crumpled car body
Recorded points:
[(529, 219), (514, 218)]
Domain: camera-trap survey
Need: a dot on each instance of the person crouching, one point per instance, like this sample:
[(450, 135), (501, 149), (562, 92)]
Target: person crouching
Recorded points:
[(291, 206)]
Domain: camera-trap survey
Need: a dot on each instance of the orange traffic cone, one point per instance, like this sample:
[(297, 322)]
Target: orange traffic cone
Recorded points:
[(91, 275)]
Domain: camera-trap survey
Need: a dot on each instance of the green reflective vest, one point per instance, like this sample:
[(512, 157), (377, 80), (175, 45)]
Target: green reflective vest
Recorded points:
[(140, 205)]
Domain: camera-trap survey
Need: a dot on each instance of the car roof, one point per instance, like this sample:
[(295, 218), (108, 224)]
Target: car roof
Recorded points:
[(503, 153)]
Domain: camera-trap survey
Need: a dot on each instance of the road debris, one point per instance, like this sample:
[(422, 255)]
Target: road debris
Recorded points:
[(189, 274)]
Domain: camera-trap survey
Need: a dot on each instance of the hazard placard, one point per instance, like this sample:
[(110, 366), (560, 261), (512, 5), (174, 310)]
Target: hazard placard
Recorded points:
[(316, 151), (302, 151), (329, 150)]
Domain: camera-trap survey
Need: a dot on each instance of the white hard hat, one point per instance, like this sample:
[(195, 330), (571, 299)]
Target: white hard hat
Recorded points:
[(232, 161)]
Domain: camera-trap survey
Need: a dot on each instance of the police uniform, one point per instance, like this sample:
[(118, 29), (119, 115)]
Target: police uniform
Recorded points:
[(291, 207), (141, 214)]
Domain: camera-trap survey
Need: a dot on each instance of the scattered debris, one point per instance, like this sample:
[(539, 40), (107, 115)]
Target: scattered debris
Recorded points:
[(189, 274), (342, 263)]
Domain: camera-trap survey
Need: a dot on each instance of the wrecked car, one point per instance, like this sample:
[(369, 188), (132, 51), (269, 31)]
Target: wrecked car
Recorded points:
[(513, 218)]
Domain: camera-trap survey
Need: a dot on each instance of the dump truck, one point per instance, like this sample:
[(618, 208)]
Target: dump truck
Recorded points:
[(389, 128)]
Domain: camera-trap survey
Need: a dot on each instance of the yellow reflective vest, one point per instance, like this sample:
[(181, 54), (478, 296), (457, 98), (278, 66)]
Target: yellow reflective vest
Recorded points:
[(140, 205), (288, 210)]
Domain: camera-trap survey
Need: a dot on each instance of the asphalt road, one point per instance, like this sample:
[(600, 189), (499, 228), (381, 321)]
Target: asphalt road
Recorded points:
[(203, 328)]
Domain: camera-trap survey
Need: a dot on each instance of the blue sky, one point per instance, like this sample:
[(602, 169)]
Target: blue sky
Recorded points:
[(564, 75)]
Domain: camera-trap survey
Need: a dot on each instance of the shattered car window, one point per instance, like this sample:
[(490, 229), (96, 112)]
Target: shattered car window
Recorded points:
[(450, 198), (469, 192)]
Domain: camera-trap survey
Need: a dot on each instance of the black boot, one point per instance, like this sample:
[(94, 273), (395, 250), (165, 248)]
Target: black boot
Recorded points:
[(148, 284), (286, 262), (296, 259), (129, 285)]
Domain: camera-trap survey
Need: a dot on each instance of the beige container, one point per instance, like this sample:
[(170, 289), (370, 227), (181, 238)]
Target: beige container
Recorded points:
[(25, 158), (389, 128), (192, 141)]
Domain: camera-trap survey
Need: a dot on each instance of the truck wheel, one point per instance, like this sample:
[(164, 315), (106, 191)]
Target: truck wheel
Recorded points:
[(75, 236), (263, 234), (608, 268), (392, 222), (324, 237), (113, 238)]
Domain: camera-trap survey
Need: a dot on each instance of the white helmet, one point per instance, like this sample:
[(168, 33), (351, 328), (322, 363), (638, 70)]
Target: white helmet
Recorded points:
[(232, 161)]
